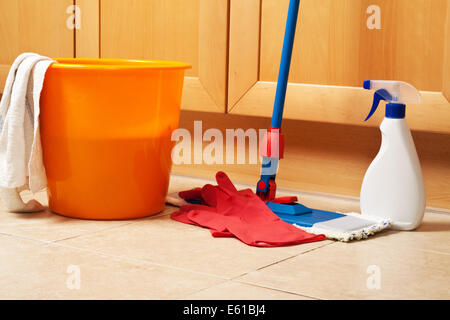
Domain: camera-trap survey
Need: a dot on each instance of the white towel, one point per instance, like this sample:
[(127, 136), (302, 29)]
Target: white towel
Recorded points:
[(21, 164)]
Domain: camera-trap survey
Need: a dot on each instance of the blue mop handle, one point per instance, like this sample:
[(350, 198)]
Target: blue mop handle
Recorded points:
[(285, 64), (266, 187)]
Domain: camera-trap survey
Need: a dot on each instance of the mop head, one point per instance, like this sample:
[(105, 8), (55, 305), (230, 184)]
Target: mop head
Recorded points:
[(343, 227), (352, 226)]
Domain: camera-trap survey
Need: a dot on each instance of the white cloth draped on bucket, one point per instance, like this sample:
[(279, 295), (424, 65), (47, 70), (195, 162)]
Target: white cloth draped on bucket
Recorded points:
[(21, 163)]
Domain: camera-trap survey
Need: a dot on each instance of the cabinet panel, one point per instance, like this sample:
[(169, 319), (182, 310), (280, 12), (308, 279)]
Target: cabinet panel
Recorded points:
[(88, 35), (194, 31), (446, 75), (33, 25), (334, 46), (334, 51)]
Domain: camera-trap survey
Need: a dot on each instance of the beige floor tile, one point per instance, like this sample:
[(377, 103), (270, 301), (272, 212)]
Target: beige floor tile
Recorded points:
[(157, 257), (432, 235), (340, 271), (9, 244), (44, 272), (232, 290), (164, 241), (48, 226)]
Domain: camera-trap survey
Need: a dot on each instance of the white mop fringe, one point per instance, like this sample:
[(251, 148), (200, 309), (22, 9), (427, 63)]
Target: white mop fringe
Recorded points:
[(380, 224)]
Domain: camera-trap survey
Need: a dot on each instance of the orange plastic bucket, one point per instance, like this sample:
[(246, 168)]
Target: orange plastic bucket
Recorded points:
[(106, 130)]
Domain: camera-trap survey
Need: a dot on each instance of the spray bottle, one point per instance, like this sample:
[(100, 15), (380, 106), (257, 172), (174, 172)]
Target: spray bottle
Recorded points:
[(393, 186)]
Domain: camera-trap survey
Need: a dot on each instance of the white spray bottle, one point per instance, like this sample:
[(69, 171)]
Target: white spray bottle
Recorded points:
[(393, 186)]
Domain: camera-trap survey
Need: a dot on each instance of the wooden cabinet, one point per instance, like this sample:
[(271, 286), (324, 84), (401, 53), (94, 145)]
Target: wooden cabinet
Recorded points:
[(334, 52), (33, 25), (234, 47), (193, 31)]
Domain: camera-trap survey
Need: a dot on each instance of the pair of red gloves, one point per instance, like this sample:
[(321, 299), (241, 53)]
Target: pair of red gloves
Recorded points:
[(228, 212)]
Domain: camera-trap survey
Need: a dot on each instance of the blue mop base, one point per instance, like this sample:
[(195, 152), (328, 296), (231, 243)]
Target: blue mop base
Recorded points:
[(296, 213)]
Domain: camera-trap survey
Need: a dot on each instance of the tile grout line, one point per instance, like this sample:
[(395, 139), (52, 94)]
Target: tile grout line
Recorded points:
[(16, 236), (123, 258), (137, 260), (276, 289), (13, 235), (110, 228), (91, 233), (186, 297), (248, 284), (153, 263), (282, 260), (236, 279), (381, 242), (120, 258), (113, 227)]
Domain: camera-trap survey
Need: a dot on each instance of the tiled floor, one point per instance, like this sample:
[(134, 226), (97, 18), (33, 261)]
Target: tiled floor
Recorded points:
[(46, 256)]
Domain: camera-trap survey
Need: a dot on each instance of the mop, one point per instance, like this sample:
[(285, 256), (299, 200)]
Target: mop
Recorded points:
[(337, 226)]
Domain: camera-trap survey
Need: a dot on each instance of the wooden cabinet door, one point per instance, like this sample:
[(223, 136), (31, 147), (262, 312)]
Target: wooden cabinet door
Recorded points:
[(193, 31), (334, 52), (34, 26)]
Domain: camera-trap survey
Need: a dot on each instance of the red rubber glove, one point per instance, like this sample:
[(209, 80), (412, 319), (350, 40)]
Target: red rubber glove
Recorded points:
[(182, 216), (195, 194), (242, 214)]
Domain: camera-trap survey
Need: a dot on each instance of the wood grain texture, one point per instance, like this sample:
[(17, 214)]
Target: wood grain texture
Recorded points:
[(243, 63), (446, 66), (213, 49), (327, 158), (4, 69), (195, 96), (88, 36), (193, 31), (33, 26), (156, 29), (346, 105), (333, 45)]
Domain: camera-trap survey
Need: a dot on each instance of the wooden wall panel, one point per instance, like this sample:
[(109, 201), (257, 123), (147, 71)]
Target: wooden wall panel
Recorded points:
[(193, 31), (446, 66), (33, 26), (333, 45), (334, 52), (155, 29), (4, 69), (88, 36), (345, 105), (244, 47)]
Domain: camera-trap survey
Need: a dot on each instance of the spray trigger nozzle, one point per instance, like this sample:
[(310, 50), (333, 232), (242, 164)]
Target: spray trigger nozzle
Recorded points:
[(380, 94), (396, 93)]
